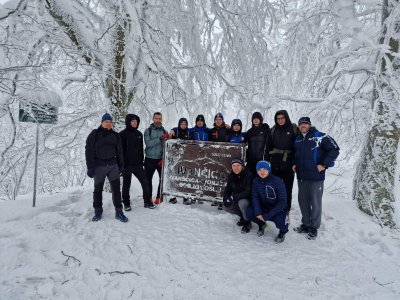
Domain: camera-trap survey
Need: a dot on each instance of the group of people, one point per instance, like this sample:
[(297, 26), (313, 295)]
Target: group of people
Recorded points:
[(259, 190)]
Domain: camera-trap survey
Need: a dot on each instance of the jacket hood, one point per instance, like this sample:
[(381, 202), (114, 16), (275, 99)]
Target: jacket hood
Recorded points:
[(129, 118), (181, 120), (236, 121), (285, 113)]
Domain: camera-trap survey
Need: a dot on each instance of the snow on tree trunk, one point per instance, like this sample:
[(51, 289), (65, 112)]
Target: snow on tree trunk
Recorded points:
[(375, 180)]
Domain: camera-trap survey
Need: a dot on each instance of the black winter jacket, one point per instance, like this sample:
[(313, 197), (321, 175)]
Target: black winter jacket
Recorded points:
[(239, 186), (218, 133), (282, 147), (259, 143), (132, 143), (103, 147)]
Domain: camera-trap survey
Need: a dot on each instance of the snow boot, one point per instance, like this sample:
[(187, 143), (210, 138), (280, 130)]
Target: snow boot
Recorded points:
[(302, 229), (262, 229), (280, 237), (246, 227), (119, 215), (312, 235), (149, 204), (96, 217)]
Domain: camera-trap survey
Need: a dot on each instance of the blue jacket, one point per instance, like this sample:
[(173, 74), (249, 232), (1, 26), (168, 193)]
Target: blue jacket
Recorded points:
[(315, 148), (199, 133), (268, 196)]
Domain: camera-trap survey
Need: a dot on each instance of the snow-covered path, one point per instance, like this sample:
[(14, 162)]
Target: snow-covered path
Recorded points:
[(189, 252)]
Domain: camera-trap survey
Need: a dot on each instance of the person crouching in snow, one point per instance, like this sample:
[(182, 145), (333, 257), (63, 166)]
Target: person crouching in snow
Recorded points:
[(237, 194), (268, 201)]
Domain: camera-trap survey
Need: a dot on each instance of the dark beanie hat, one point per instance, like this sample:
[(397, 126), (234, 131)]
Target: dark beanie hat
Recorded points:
[(257, 115), (106, 117), (304, 120), (236, 122), (219, 115), (237, 160), (200, 118)]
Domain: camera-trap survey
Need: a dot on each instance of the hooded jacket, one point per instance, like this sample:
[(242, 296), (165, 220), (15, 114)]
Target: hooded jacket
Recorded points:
[(282, 146), (132, 142), (199, 133), (236, 136), (315, 148), (179, 133)]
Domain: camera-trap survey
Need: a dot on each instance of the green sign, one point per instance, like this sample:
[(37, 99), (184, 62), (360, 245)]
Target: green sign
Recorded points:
[(44, 114)]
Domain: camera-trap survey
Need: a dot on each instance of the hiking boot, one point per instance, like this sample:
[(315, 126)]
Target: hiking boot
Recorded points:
[(127, 207), (280, 237), (262, 229), (241, 222), (312, 235), (173, 200), (246, 227), (120, 216), (96, 217), (302, 229), (187, 201), (149, 205)]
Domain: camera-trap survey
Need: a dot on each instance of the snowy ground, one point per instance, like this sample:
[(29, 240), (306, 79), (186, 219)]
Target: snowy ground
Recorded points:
[(183, 252)]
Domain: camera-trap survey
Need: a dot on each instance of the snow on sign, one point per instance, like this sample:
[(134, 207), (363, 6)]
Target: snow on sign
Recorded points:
[(39, 106), (198, 170)]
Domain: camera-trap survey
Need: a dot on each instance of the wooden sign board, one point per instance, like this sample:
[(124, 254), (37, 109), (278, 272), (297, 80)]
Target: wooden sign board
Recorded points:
[(198, 170)]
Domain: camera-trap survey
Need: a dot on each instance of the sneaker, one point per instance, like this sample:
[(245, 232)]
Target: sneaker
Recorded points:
[(220, 206), (246, 227), (149, 205), (241, 222), (280, 237), (262, 229), (302, 229), (127, 208), (173, 200), (312, 235), (96, 217), (186, 201), (120, 216)]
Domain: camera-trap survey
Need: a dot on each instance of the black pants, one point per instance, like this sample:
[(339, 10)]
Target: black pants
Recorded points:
[(100, 174), (288, 179), (140, 174), (150, 166)]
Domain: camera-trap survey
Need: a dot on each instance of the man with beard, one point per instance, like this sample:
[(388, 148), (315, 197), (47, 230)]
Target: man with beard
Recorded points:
[(132, 145), (283, 134)]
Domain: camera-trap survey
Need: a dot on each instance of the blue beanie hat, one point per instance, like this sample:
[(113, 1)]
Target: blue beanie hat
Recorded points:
[(106, 117), (262, 164)]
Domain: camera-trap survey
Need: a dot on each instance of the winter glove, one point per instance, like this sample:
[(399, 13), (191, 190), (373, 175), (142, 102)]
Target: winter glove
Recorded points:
[(164, 136), (228, 201), (90, 173), (160, 163)]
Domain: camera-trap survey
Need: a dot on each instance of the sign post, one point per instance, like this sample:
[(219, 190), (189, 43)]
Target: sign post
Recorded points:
[(198, 170), (39, 114)]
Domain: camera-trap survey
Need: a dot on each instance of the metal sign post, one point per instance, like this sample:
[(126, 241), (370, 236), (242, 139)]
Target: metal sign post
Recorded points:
[(39, 114)]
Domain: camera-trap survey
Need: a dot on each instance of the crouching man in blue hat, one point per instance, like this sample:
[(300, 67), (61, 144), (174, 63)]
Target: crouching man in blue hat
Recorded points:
[(269, 201)]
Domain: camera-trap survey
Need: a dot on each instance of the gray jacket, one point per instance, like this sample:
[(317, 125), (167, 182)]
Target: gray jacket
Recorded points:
[(154, 144)]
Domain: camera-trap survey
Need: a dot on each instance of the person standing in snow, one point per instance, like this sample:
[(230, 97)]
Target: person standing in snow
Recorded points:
[(181, 132), (237, 193), (268, 201), (283, 134), (104, 158), (235, 134), (153, 138), (132, 145), (314, 153), (200, 132), (258, 140), (220, 131)]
